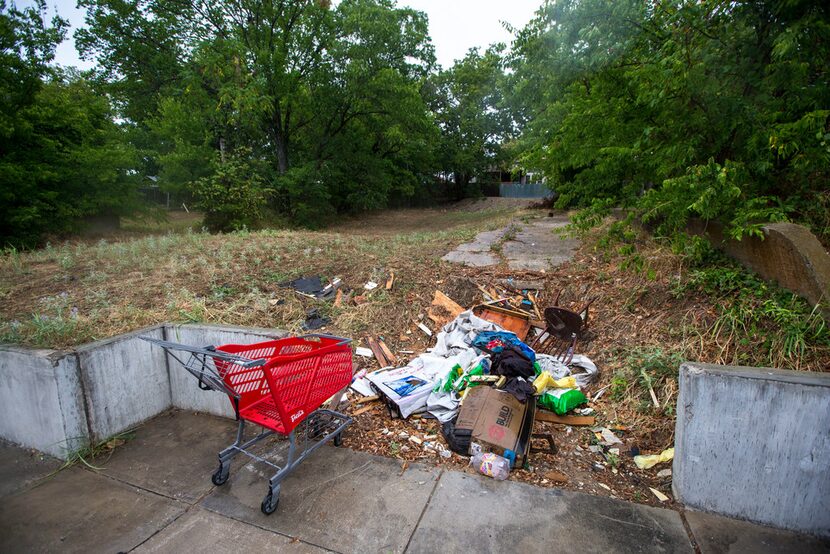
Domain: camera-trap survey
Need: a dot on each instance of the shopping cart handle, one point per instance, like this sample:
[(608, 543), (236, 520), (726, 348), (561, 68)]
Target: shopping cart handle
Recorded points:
[(343, 340)]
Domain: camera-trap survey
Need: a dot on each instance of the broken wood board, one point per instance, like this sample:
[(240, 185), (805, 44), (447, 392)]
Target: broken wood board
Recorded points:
[(443, 309), (362, 410), (390, 281), (387, 353), (523, 285), (366, 399), (578, 421), (506, 319), (380, 355)]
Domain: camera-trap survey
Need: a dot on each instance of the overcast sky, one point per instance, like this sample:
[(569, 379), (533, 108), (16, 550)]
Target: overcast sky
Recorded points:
[(455, 25)]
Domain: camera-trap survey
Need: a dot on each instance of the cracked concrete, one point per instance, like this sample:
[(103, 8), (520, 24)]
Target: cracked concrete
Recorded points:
[(533, 246)]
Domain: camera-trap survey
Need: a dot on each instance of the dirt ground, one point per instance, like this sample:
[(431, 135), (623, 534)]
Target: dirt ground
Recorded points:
[(78, 291)]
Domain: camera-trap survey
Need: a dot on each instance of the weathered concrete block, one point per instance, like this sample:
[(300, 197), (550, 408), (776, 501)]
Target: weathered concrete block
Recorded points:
[(125, 381), (185, 390), (789, 254), (41, 403), (754, 444)]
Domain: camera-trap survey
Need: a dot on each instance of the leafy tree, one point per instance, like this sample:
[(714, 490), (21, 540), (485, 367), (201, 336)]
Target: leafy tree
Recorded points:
[(314, 92), (468, 103), (709, 109), (62, 158)]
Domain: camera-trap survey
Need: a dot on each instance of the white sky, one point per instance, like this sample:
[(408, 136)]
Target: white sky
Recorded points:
[(455, 25)]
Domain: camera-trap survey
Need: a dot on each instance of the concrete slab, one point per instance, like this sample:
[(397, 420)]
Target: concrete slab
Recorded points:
[(473, 259), (720, 535), (203, 531), (173, 454), (20, 467), (537, 246), (338, 499), (78, 511), (468, 513)]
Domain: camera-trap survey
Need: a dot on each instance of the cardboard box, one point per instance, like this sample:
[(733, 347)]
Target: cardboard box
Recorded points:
[(498, 421)]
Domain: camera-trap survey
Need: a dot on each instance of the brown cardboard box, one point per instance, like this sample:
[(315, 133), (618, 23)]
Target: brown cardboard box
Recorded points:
[(498, 421)]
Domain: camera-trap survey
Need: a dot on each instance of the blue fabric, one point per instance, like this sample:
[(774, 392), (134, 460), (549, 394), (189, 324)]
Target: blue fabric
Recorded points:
[(495, 341)]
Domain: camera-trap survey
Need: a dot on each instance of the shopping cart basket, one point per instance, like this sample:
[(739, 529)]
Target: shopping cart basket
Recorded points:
[(276, 385)]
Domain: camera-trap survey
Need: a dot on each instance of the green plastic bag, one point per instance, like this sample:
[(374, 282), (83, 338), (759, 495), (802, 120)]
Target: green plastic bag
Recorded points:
[(561, 401), (464, 381)]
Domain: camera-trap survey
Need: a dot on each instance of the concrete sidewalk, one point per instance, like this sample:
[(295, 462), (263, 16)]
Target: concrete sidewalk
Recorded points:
[(155, 495)]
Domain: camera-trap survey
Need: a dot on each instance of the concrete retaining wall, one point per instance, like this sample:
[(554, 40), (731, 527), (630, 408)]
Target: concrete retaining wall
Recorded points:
[(789, 254), (41, 400), (125, 381), (58, 402), (755, 444)]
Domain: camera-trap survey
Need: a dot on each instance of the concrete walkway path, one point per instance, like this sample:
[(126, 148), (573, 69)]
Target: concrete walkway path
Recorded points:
[(154, 495), (534, 246)]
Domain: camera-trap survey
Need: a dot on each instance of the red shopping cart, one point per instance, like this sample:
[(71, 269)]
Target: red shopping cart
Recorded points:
[(276, 385)]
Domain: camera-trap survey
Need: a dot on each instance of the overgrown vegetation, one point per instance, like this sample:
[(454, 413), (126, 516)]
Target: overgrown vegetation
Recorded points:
[(708, 109)]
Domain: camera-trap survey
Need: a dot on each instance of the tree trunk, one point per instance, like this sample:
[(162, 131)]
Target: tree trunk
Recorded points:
[(280, 140)]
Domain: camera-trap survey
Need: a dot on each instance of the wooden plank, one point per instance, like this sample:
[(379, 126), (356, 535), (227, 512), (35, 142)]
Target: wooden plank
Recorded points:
[(390, 358), (338, 299), (366, 399), (378, 352), (550, 417), (390, 281), (443, 309), (509, 322), (362, 410)]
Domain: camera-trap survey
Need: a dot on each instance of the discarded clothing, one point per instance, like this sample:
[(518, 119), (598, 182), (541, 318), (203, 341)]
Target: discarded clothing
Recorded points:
[(520, 388), (511, 361), (495, 341)]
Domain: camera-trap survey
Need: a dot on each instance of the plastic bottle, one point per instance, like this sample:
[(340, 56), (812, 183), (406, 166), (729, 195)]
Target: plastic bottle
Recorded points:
[(491, 465)]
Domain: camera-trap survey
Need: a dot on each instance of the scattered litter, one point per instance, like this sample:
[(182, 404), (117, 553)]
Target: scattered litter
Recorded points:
[(362, 387), (607, 437), (664, 473), (603, 485), (660, 496), (381, 352), (390, 281), (585, 411), (415, 439), (425, 329), (362, 351), (645, 462), (371, 285), (313, 287), (314, 320)]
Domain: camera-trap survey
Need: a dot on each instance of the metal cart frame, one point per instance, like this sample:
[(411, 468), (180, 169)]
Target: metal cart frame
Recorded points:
[(317, 428)]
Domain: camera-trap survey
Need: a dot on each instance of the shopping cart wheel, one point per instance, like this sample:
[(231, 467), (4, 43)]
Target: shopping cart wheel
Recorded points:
[(338, 439), (220, 476), (271, 501)]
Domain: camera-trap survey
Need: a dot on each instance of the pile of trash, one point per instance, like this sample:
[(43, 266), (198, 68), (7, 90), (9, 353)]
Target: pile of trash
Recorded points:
[(483, 383), (491, 373)]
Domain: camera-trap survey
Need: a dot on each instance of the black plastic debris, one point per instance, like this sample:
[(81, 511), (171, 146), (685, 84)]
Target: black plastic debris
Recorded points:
[(314, 320)]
